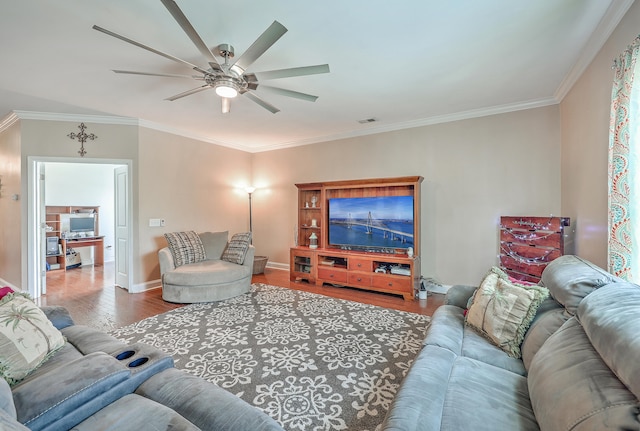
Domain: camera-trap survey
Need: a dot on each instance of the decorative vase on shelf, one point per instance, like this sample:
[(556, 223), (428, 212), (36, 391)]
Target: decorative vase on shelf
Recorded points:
[(313, 240)]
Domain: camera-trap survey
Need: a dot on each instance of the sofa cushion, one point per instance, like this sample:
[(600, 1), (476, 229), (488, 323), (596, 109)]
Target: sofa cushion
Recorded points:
[(448, 331), (6, 400), (206, 273), (125, 414), (186, 247), (214, 243), (237, 248), (8, 423), (570, 278), (502, 310), (611, 317), (27, 337), (573, 389), (443, 391), (547, 321)]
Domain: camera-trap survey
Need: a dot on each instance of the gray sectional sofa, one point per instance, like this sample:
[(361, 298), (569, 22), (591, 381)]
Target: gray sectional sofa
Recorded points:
[(98, 383), (579, 370)]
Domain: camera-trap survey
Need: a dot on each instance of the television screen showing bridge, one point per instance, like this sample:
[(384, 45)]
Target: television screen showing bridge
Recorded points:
[(385, 221)]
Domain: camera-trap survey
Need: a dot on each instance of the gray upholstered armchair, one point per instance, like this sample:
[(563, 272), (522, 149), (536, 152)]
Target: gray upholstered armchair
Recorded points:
[(205, 267)]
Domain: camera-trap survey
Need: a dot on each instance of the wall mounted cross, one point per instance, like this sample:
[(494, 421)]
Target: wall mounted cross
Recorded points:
[(82, 138)]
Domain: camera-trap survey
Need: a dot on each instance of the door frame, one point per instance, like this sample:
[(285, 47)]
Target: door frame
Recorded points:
[(35, 266)]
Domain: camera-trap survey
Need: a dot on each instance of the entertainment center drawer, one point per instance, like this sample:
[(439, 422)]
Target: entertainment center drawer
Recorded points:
[(358, 279), (360, 265), (394, 283), (332, 274)]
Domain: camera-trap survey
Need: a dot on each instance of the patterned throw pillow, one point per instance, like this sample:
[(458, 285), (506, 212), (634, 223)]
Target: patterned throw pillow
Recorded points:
[(237, 248), (502, 310), (186, 247), (27, 337)]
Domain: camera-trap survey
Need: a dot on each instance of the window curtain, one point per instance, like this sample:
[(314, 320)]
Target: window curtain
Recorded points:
[(624, 168)]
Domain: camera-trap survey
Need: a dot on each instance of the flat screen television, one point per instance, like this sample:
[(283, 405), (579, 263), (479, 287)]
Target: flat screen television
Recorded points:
[(371, 223), (82, 224)]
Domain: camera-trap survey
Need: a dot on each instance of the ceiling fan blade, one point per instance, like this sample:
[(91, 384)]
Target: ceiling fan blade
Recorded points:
[(189, 92), (291, 72), (257, 48), (261, 102), (148, 48), (182, 20), (168, 75), (290, 93)]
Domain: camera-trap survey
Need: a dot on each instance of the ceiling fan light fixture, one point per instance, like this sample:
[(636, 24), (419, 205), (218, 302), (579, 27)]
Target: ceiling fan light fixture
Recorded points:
[(226, 88)]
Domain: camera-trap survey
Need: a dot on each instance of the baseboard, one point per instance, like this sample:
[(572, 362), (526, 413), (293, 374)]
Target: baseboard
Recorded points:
[(277, 265), (4, 282), (147, 285)]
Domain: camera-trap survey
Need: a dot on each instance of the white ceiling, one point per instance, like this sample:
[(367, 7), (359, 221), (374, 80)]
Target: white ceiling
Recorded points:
[(405, 63)]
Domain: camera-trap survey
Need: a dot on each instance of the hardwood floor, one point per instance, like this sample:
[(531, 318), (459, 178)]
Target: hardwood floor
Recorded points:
[(92, 298)]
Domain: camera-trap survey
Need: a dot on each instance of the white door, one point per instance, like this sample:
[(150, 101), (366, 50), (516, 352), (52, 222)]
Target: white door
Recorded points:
[(41, 242), (122, 227)]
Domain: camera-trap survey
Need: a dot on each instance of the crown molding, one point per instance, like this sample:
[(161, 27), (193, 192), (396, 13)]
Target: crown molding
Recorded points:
[(429, 121), (594, 44), (8, 121), (98, 119)]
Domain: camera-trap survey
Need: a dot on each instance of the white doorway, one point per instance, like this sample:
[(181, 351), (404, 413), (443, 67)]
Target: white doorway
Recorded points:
[(70, 182)]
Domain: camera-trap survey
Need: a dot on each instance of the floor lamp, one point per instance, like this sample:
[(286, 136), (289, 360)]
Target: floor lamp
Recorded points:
[(250, 190)]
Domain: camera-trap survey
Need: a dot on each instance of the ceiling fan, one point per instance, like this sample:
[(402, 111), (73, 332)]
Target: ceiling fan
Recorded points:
[(228, 79)]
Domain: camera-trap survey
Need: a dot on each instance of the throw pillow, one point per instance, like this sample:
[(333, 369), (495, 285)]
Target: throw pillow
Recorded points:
[(237, 248), (186, 247), (27, 337), (4, 291), (502, 310)]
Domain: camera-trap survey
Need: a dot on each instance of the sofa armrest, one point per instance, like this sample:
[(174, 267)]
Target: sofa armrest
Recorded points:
[(204, 404), (58, 315), (167, 263), (248, 258), (459, 295), (6, 399), (70, 393)]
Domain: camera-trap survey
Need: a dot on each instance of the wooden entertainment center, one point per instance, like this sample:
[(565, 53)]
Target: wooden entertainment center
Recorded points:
[(57, 221), (390, 269)]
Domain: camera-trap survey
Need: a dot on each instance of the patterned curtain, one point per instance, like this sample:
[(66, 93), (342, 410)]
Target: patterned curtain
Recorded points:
[(624, 168)]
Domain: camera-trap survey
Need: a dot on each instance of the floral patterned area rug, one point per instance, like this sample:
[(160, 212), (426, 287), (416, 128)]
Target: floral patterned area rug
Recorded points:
[(309, 361)]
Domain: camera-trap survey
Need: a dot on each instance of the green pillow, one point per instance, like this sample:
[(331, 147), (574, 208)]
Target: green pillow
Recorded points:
[(502, 310), (27, 337)]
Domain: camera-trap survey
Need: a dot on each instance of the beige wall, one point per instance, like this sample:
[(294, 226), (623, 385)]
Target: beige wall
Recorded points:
[(543, 161), (193, 185), (49, 139), (585, 138), (10, 210), (475, 171)]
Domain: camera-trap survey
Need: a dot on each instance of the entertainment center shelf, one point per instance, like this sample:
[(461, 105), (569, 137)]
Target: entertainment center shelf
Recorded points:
[(393, 267)]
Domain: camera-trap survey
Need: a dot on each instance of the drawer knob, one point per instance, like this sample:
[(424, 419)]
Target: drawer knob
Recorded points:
[(359, 265), (359, 279), (390, 284), (330, 275)]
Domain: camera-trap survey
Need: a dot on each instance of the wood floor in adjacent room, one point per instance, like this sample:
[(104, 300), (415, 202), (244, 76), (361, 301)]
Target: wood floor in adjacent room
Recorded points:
[(92, 298)]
